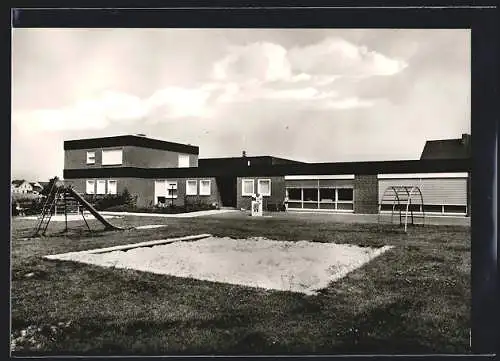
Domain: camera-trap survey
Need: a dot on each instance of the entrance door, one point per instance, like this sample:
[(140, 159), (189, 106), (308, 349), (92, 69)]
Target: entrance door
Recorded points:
[(227, 190)]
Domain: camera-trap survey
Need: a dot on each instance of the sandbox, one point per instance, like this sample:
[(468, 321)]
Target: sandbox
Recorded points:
[(296, 266)]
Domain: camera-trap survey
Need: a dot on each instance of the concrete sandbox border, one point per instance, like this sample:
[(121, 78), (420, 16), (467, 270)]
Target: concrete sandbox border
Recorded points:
[(126, 247)]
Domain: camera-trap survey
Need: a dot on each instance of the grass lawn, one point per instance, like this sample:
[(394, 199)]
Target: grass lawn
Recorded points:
[(413, 299)]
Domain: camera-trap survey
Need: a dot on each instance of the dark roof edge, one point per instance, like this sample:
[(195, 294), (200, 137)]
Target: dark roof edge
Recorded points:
[(129, 140), (365, 168)]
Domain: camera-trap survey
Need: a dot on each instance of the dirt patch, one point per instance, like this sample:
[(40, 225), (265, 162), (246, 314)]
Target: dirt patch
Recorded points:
[(301, 266)]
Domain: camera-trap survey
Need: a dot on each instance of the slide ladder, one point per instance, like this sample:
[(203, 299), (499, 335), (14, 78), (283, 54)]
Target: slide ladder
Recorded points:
[(67, 198), (43, 219)]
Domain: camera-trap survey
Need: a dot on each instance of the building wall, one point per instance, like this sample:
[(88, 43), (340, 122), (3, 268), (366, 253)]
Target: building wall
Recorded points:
[(154, 158), (132, 157), (366, 194), (144, 189), (277, 192)]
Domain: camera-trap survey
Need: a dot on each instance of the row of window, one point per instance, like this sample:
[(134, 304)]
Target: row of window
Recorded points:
[(321, 198), (168, 189), (101, 186), (427, 208), (115, 157), (192, 187), (109, 157), (248, 187)]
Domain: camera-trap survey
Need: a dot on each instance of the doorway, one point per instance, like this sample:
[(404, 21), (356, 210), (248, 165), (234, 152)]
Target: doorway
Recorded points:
[(227, 190)]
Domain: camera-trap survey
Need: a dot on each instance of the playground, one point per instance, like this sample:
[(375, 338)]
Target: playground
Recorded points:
[(413, 295)]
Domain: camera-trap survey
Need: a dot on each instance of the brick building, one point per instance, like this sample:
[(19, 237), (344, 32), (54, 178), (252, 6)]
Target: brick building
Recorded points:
[(164, 172)]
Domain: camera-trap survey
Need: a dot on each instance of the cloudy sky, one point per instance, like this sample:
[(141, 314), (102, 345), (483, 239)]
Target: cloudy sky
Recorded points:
[(314, 95)]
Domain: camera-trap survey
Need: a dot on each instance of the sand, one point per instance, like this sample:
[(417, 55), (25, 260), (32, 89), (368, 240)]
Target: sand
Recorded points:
[(302, 266)]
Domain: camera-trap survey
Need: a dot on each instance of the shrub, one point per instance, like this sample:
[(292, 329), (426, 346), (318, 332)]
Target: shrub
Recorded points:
[(123, 200), (30, 205)]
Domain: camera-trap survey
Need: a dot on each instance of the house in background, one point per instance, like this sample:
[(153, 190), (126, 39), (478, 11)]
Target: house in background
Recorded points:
[(448, 148), (160, 172), (37, 187), (21, 186)]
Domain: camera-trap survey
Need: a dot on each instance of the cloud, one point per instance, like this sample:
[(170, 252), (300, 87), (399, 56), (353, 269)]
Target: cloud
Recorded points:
[(177, 102), (349, 103), (116, 107), (338, 57), (263, 61), (325, 61), (259, 71)]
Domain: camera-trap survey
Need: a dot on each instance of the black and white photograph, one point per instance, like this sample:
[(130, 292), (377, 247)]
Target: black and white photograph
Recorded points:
[(229, 191)]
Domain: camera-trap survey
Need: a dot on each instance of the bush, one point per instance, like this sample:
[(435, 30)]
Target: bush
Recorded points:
[(121, 208), (29, 205), (123, 200)]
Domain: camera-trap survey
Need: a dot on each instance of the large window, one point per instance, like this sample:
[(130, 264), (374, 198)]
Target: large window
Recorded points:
[(247, 187), (345, 199), (324, 198), (101, 186), (183, 161), (90, 157), (205, 187), (90, 186), (191, 187), (294, 194), (327, 195), (112, 157), (264, 187), (112, 187), (310, 194)]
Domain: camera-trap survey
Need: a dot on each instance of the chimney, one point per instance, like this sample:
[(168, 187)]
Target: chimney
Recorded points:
[(466, 139), (244, 153)]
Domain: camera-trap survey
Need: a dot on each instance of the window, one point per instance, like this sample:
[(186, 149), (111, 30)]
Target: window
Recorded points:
[(247, 187), (294, 194), (327, 195), (171, 189), (112, 185), (112, 157), (345, 194), (183, 161), (205, 187), (191, 187), (89, 189), (90, 157), (101, 186), (455, 209), (310, 194), (264, 187)]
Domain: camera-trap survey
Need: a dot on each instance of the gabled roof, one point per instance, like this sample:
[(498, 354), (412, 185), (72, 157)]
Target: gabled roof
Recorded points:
[(130, 140), (447, 148)]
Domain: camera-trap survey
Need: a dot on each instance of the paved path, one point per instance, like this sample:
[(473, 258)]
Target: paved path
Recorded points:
[(350, 217), (166, 215), (71, 217)]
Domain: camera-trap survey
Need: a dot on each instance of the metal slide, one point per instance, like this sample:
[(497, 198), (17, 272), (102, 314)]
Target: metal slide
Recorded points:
[(92, 210)]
